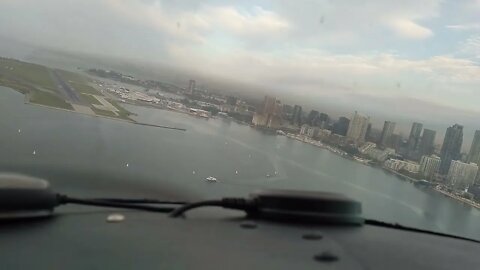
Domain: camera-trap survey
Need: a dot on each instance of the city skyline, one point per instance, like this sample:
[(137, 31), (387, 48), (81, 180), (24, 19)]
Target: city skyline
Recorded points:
[(422, 140), (428, 57), (407, 125)]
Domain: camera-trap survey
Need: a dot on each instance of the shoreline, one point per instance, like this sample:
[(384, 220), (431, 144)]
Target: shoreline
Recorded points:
[(301, 138), (457, 198), (434, 187)]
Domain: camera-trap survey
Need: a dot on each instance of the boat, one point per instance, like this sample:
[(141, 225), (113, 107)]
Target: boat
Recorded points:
[(211, 179)]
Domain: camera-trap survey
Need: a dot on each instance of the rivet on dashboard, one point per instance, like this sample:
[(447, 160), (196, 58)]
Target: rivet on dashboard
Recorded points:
[(248, 225), (326, 257), (312, 236), (114, 218)]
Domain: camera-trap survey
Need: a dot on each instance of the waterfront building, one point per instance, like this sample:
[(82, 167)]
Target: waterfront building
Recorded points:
[(429, 166), (452, 144), (191, 87), (426, 146), (398, 165), (387, 131), (296, 119), (358, 128), (341, 126), (269, 114), (461, 175)]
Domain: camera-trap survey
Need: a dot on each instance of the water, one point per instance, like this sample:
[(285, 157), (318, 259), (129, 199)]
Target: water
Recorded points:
[(88, 156)]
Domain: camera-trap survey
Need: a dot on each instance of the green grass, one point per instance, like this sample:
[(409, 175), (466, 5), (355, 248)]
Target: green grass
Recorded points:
[(72, 76), (79, 82), (28, 78), (84, 88), (90, 99), (30, 73), (15, 85), (49, 99), (121, 111), (104, 113)]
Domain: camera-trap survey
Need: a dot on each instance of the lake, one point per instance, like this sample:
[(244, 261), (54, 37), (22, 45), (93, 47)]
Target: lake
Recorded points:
[(91, 156)]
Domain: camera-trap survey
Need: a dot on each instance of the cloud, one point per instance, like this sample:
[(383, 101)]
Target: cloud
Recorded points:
[(410, 29), (470, 47), (464, 27), (257, 22), (314, 48), (444, 79), (197, 25)]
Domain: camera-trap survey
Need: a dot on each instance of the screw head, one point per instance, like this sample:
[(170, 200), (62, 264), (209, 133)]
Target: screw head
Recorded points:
[(312, 236), (326, 257), (248, 225)]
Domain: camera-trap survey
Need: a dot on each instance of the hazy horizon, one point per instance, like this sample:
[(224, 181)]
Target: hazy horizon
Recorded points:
[(405, 62)]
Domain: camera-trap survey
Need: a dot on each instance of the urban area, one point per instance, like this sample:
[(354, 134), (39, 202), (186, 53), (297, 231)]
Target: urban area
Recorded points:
[(417, 159)]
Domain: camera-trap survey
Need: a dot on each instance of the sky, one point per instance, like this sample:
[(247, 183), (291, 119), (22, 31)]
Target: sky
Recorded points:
[(420, 59)]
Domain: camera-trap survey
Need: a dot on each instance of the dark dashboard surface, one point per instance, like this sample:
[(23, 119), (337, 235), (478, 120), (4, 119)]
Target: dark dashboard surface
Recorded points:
[(81, 238)]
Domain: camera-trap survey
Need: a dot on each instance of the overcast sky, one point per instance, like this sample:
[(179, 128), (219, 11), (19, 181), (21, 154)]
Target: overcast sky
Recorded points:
[(403, 53)]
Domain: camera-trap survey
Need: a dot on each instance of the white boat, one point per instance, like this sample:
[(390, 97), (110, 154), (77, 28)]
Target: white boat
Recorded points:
[(211, 179)]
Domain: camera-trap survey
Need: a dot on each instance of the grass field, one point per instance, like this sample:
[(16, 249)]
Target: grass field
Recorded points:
[(29, 73), (49, 99), (121, 111), (22, 88), (80, 83), (90, 99), (104, 113), (36, 82)]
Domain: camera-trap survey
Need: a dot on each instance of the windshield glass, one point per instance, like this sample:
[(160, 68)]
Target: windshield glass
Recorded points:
[(206, 99)]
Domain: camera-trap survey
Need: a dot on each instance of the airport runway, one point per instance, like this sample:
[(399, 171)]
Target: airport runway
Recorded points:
[(71, 96)]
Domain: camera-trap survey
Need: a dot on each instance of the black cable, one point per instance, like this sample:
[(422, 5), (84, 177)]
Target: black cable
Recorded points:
[(66, 200), (406, 228), (231, 203), (137, 201)]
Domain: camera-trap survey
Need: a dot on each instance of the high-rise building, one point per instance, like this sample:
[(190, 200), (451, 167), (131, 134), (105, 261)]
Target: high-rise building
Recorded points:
[(269, 114), (474, 154), (414, 139), (461, 175), (452, 144), (372, 134), (287, 110), (341, 126), (395, 141), (191, 86), (429, 166), (323, 120), (426, 146), (387, 131), (313, 118), (269, 105), (231, 100), (358, 128), (297, 116)]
